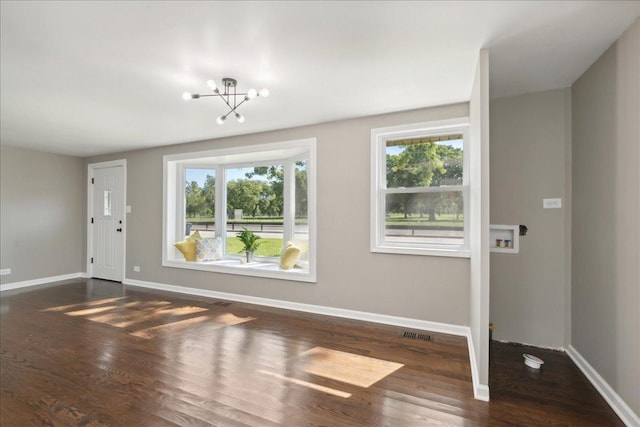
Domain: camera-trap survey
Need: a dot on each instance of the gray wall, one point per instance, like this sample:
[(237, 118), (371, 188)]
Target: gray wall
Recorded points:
[(605, 302), (42, 218), (530, 140), (349, 275)]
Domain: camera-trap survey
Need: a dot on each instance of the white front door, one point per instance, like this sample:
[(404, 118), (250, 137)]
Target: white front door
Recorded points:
[(107, 223)]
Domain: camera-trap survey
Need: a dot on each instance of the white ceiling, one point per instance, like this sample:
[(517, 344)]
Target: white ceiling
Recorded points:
[(85, 78)]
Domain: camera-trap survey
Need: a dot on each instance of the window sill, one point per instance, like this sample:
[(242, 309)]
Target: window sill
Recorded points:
[(444, 252), (265, 269)]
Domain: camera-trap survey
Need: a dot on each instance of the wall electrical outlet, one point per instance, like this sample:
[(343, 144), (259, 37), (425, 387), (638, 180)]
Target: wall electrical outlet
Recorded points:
[(552, 203), (5, 271), (136, 268)]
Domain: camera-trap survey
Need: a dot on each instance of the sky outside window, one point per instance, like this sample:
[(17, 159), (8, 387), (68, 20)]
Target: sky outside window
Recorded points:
[(200, 175)]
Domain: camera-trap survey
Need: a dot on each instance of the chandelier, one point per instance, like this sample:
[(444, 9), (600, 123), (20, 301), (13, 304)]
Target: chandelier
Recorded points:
[(229, 96)]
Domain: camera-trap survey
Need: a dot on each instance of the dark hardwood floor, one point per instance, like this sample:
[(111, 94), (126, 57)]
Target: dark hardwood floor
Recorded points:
[(96, 353)]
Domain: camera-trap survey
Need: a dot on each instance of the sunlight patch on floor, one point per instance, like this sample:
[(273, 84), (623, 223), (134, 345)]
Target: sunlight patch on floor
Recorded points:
[(153, 331), (313, 386), (89, 311), (148, 304), (347, 368), (83, 304), (227, 319), (154, 318), (147, 315), (215, 322), (361, 371)]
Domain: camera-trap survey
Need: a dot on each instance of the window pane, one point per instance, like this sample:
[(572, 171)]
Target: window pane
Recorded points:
[(255, 201), (200, 201), (230, 168), (429, 218), (432, 161), (107, 203), (301, 230)]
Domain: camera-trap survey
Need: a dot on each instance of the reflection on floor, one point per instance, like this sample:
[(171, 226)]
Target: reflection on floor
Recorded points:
[(361, 371), (321, 388), (90, 352), (147, 319)]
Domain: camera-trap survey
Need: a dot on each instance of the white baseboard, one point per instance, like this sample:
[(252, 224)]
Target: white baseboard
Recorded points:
[(406, 322), (41, 281), (546, 347), (626, 414), (480, 391)]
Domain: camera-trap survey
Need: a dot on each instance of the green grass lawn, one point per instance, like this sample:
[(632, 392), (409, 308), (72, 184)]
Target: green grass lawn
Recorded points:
[(200, 219), (269, 247), (246, 219), (441, 221)]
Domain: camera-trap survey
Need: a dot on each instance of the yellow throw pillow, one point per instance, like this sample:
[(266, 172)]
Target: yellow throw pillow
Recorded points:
[(290, 256), (195, 236), (188, 249)]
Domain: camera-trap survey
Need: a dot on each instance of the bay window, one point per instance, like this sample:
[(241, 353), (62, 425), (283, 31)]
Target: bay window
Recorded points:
[(268, 189)]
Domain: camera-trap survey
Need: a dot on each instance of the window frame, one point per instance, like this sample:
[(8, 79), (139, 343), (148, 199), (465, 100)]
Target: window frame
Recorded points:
[(285, 153), (379, 190)]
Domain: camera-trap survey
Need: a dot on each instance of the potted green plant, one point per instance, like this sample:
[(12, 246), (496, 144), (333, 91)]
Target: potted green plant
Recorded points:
[(251, 241)]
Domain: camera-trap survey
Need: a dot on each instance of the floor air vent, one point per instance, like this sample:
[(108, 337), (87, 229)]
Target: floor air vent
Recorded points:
[(222, 303), (415, 336)]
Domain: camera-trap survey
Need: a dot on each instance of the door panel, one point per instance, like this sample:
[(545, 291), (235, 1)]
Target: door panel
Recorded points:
[(108, 223)]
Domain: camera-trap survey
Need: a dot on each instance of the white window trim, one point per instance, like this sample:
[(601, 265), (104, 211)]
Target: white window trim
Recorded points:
[(285, 153), (379, 136)]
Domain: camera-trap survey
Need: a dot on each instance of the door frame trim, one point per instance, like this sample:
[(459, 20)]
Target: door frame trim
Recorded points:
[(90, 169)]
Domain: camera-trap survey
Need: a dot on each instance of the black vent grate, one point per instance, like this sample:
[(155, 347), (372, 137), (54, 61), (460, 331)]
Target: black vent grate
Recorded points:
[(222, 303), (416, 336)]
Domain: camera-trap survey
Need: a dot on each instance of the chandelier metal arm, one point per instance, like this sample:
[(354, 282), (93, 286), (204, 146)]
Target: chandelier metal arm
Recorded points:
[(226, 100), (229, 97), (221, 96), (241, 102), (199, 95)]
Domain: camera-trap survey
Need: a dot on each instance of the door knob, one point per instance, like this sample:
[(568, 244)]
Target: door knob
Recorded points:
[(119, 230)]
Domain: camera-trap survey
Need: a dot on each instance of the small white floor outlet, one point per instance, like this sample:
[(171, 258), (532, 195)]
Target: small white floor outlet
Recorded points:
[(5, 271), (136, 268)]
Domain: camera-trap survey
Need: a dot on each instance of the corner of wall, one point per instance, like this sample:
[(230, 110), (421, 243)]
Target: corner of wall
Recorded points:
[(567, 219), (479, 223), (605, 231)]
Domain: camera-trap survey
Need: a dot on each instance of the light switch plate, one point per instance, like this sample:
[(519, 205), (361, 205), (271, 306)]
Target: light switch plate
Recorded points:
[(552, 203), (128, 208)]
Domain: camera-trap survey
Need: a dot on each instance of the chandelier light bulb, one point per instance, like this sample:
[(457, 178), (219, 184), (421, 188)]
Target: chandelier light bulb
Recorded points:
[(229, 95)]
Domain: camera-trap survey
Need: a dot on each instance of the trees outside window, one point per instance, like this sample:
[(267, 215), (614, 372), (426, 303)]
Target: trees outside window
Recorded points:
[(267, 189), (200, 201), (419, 189)]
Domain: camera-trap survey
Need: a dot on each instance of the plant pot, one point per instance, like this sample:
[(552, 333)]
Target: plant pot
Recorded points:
[(249, 256)]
